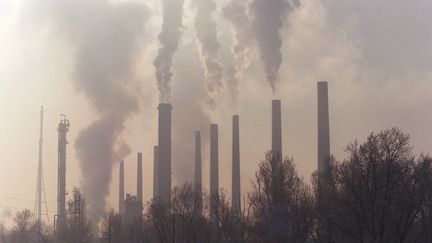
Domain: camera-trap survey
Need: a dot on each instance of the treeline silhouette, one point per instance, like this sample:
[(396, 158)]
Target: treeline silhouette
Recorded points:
[(381, 192)]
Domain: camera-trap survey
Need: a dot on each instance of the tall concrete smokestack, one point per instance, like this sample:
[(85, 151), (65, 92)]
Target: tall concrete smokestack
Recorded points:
[(164, 153), (139, 179), (323, 128), (155, 172), (198, 167), (121, 189), (214, 171), (62, 129), (236, 165), (277, 129)]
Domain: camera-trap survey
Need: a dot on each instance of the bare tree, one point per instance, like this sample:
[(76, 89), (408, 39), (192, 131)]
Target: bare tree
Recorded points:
[(281, 203), (423, 222), (377, 194), (110, 228), (183, 220), (26, 230), (232, 225)]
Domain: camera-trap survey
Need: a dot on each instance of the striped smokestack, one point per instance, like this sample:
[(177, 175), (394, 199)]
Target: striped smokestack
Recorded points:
[(236, 165), (198, 168), (155, 172), (214, 171), (121, 189), (277, 129), (139, 178), (164, 153), (323, 128)]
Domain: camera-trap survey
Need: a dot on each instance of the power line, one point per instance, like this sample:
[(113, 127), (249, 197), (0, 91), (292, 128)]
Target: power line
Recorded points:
[(22, 199), (2, 206)]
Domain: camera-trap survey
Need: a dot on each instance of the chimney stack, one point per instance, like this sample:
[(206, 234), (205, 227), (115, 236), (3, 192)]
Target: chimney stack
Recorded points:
[(139, 178), (198, 162), (198, 167), (214, 171), (121, 189), (277, 129), (155, 172), (164, 153), (236, 166), (323, 128)]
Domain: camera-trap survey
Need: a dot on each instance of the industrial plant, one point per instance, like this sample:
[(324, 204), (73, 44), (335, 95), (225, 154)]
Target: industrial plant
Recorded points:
[(205, 121), (131, 207), (71, 215)]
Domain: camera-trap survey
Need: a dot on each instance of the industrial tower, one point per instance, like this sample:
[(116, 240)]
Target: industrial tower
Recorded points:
[(40, 184), (62, 129), (236, 198), (214, 172), (323, 129), (164, 154), (198, 169), (277, 130), (121, 189)]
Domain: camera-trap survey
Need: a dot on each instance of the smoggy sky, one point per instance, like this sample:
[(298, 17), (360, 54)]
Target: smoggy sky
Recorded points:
[(376, 56)]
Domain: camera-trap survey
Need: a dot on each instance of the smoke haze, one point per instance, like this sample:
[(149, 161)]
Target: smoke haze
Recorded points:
[(169, 40), (208, 45), (236, 13), (104, 37), (376, 56), (190, 114)]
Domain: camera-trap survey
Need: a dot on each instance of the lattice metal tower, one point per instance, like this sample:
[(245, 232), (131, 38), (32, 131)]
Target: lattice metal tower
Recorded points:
[(40, 198)]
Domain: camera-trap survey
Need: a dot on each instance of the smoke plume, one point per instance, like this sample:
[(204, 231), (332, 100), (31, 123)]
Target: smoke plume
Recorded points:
[(267, 20), (190, 114), (183, 136), (208, 46), (236, 13), (104, 37), (169, 40)]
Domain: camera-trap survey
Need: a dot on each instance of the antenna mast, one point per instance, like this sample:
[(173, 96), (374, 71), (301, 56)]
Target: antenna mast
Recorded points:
[(40, 184)]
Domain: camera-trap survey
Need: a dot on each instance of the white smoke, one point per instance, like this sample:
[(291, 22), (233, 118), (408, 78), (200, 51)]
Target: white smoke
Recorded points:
[(236, 13), (267, 20), (209, 45), (169, 39), (104, 37)]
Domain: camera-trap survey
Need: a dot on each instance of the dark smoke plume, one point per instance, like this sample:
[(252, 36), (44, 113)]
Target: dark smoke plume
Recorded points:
[(267, 20), (104, 37), (169, 39), (236, 13), (208, 44)]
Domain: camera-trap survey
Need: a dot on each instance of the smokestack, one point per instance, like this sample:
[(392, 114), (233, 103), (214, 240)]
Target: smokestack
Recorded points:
[(164, 153), (214, 171), (323, 128), (62, 129), (236, 165), (121, 189), (198, 167), (139, 179), (277, 129), (155, 172), (198, 163)]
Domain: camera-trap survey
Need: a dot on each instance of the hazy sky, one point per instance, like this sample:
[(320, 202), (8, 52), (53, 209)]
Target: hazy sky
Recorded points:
[(376, 56)]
